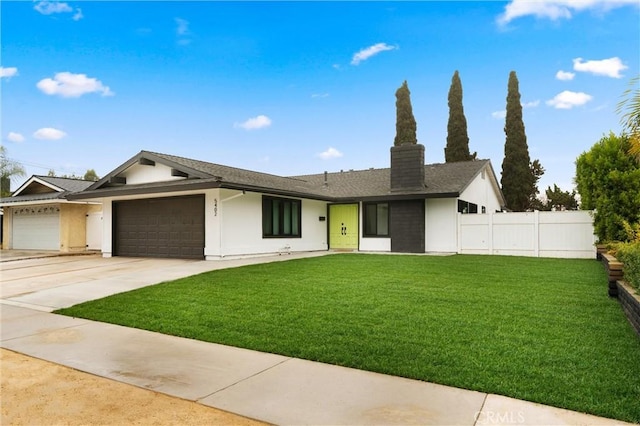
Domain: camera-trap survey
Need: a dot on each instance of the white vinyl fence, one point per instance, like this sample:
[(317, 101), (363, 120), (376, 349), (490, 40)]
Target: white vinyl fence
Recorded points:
[(565, 234)]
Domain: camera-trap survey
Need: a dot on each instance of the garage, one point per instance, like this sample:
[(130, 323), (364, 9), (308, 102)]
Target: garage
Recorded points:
[(159, 227), (36, 228)]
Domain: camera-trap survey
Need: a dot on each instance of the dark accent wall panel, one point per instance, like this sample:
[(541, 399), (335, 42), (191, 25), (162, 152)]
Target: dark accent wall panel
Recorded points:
[(407, 226)]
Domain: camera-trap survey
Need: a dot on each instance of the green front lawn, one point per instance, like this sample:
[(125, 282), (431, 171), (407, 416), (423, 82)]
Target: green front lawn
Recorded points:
[(542, 330)]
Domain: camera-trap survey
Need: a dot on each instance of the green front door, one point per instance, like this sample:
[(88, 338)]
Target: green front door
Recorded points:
[(343, 226)]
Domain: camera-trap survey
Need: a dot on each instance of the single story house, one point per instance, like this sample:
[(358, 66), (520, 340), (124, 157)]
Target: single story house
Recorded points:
[(38, 216), (163, 205)]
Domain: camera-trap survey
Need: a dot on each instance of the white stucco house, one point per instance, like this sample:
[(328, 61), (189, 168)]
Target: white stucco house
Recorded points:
[(161, 205), (38, 216)]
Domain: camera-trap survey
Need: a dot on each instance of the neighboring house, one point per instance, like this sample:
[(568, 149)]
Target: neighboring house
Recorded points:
[(162, 205), (38, 216)]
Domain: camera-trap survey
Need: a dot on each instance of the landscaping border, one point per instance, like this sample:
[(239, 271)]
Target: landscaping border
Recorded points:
[(630, 302), (613, 268), (629, 299)]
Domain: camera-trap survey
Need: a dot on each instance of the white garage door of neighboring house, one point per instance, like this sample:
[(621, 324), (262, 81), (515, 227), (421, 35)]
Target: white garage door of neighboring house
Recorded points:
[(36, 228)]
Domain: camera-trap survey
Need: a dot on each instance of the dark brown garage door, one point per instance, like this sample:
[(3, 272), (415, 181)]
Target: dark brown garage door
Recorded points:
[(160, 227)]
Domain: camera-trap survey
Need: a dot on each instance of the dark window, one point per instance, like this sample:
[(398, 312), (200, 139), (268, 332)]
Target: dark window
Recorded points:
[(465, 207), (376, 219), (281, 217)]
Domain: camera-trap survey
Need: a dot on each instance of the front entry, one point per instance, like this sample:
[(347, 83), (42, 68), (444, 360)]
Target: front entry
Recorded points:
[(343, 226)]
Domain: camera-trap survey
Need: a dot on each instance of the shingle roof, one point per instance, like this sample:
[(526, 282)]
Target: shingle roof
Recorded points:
[(67, 184), (47, 196), (239, 176), (442, 180), (65, 187)]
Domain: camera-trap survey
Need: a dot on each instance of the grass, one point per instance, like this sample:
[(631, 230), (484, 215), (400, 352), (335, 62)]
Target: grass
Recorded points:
[(542, 330)]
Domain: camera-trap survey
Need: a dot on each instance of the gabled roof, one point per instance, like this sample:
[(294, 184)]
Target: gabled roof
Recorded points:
[(442, 180), (45, 188)]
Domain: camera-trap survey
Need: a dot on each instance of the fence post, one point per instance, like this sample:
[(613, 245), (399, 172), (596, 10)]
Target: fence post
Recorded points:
[(490, 232), (536, 232), (459, 233)]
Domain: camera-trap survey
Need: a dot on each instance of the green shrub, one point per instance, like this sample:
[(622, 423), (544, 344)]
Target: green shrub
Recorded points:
[(629, 254)]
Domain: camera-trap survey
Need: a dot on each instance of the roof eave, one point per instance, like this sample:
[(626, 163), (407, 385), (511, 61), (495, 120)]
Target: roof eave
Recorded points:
[(32, 179), (398, 197), (124, 190)]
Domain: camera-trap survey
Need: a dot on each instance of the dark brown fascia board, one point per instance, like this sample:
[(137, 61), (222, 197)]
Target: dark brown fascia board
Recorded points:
[(272, 191), (396, 197), (123, 190)]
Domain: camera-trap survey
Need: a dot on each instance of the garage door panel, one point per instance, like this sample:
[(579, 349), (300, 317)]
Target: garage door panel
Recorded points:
[(160, 227), (36, 229)]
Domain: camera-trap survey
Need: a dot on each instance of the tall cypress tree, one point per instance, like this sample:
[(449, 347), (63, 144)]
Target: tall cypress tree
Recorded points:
[(405, 122), (457, 148), (518, 180)]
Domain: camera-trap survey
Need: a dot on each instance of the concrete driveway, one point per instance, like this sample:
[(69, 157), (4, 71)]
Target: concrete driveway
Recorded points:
[(50, 283), (55, 282)]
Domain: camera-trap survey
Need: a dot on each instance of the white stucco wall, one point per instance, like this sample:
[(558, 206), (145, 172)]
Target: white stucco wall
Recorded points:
[(241, 230), (233, 224), (139, 173), (211, 242), (441, 225), (482, 192)]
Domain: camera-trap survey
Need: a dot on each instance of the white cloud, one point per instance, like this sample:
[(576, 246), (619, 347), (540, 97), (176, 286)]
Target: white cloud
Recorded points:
[(565, 75), (370, 51), (320, 95), (330, 153), (15, 137), (70, 85), (183, 26), (531, 104), (78, 15), (556, 9), (607, 67), (568, 99), (8, 72), (254, 123), (499, 114), (183, 32), (51, 7), (49, 133)]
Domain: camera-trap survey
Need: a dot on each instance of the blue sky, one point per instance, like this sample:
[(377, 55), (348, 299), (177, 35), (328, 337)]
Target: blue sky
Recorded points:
[(303, 87)]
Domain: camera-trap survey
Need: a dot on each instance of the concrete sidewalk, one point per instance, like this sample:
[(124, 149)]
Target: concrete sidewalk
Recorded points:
[(262, 386)]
